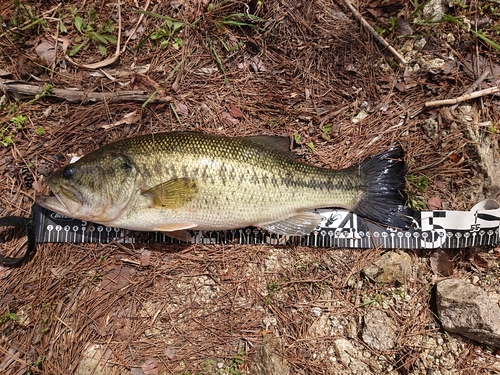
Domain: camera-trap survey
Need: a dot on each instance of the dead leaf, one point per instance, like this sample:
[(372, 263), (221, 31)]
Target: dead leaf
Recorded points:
[(145, 258), (46, 51), (455, 158), (144, 83), (307, 93), (235, 112), (59, 272), (441, 263), (181, 108), (116, 279), (400, 86), (229, 120), (208, 70), (434, 203), (170, 352), (129, 118), (4, 272), (403, 26), (257, 64), (150, 367)]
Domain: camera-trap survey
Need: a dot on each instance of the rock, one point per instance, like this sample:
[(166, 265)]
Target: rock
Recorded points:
[(379, 332), (392, 267), (265, 361), (349, 356), (466, 309), (96, 360)]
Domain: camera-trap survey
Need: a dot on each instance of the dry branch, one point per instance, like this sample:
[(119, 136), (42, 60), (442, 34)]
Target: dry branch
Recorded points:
[(20, 89), (463, 98), (372, 31)]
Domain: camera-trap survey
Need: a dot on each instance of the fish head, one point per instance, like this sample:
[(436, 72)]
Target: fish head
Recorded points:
[(96, 188)]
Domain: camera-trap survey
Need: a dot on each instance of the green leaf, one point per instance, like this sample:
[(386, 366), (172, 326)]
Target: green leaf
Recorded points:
[(327, 128), (164, 44), (177, 26), (110, 38), (102, 50), (92, 15), (99, 37), (62, 28), (310, 146), (178, 43), (79, 23), (73, 51), (296, 138)]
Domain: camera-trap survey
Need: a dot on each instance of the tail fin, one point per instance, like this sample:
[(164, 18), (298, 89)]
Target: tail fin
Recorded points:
[(383, 201)]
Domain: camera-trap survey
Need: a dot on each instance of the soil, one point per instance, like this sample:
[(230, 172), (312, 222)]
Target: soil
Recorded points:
[(304, 69)]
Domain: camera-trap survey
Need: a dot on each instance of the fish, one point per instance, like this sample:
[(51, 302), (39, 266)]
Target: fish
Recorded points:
[(177, 181)]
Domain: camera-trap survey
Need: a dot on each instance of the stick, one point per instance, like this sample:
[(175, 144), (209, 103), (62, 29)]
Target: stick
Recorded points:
[(474, 85), (21, 89), (372, 31), (463, 98)]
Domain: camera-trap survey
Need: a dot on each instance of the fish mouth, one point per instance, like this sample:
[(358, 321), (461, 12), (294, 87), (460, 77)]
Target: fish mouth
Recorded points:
[(66, 200)]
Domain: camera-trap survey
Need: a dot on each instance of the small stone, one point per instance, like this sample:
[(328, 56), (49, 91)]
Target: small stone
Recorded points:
[(466, 309), (379, 332), (265, 361), (391, 267)]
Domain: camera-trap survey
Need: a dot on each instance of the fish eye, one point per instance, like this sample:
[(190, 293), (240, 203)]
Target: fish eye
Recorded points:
[(68, 171), (127, 166)]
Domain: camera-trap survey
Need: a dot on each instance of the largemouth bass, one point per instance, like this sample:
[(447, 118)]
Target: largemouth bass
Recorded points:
[(171, 182)]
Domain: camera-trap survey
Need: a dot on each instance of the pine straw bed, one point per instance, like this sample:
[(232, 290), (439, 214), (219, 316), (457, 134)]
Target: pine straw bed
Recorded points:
[(184, 309)]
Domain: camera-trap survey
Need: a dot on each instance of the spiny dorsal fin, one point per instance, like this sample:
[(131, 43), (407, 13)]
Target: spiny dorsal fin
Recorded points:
[(174, 193)]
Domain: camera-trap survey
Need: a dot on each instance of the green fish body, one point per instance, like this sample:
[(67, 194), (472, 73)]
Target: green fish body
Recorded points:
[(175, 181)]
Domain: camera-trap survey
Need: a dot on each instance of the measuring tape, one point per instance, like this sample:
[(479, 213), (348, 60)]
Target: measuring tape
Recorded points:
[(337, 229)]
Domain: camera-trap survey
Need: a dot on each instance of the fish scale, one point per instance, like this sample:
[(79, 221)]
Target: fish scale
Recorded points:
[(181, 180)]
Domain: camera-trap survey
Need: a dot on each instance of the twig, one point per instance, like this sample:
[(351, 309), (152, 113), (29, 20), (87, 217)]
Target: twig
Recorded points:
[(474, 85), (136, 26), (21, 89), (372, 31), (463, 98)]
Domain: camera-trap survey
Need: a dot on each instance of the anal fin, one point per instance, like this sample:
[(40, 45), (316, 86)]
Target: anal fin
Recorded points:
[(177, 230), (300, 224)]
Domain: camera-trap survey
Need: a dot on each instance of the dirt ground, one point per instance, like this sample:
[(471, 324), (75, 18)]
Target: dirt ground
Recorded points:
[(305, 69)]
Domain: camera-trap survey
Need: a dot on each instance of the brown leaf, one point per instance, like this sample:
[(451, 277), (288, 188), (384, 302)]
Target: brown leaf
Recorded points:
[(150, 367), (434, 203), (235, 112), (116, 279), (145, 258), (441, 263), (455, 158), (129, 118), (229, 120), (170, 352), (4, 272), (181, 108), (403, 26), (46, 51)]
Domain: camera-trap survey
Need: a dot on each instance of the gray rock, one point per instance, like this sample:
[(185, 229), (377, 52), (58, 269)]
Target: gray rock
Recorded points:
[(350, 356), (265, 361), (379, 332), (391, 267), (466, 309)]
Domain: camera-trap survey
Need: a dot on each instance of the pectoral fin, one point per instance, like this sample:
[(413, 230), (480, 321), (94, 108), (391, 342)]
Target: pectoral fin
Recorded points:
[(174, 193), (300, 224)]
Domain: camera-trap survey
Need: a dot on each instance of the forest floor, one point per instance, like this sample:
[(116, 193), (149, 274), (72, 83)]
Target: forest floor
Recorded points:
[(304, 69)]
